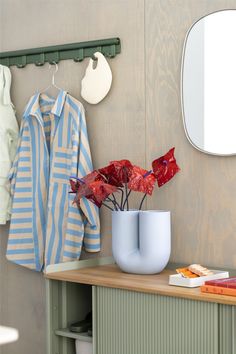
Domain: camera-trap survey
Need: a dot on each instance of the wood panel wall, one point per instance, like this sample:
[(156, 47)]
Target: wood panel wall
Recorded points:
[(140, 119)]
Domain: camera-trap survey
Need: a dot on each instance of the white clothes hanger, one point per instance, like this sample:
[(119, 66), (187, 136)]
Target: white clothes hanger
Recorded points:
[(96, 83), (53, 85)]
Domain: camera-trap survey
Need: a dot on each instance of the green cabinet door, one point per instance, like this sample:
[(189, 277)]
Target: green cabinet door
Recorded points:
[(130, 322), (227, 329)]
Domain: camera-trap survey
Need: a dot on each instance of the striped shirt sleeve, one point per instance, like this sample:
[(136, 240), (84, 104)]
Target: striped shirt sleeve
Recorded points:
[(91, 240)]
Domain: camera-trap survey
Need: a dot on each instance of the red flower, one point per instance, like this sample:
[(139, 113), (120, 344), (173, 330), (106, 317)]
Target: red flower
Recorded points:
[(93, 176), (142, 180), (93, 187), (117, 172), (74, 184), (100, 191), (110, 174), (80, 186), (165, 167), (121, 175)]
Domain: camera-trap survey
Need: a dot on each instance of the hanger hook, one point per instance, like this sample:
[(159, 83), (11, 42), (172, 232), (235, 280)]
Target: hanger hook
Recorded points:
[(55, 71), (94, 58)]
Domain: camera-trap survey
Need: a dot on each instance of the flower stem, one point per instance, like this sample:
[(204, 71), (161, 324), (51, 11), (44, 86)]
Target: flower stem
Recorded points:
[(126, 190), (114, 198), (126, 200), (121, 199), (107, 206), (113, 202), (141, 204)]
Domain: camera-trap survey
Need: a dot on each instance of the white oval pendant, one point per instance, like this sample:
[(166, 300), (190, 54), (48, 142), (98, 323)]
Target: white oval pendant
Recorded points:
[(96, 83)]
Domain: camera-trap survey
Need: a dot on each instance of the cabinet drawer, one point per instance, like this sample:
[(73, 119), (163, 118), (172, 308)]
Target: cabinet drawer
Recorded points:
[(136, 323)]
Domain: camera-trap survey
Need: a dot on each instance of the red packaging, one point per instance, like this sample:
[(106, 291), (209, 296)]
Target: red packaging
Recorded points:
[(225, 283)]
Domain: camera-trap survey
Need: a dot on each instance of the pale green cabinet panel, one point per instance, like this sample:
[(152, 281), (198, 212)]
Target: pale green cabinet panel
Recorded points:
[(136, 323), (67, 303), (227, 329)]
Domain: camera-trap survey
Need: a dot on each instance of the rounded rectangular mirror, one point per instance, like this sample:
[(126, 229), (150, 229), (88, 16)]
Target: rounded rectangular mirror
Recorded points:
[(209, 83)]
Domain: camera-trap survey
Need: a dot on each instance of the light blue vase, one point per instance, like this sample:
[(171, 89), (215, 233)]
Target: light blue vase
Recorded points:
[(141, 240)]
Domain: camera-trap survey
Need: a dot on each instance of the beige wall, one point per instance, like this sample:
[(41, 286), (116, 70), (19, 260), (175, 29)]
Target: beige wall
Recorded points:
[(139, 120)]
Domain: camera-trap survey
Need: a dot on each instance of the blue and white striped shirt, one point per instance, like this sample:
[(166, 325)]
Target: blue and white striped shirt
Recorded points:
[(46, 227)]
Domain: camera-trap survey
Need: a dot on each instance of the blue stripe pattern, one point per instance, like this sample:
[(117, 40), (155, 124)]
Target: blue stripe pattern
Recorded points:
[(20, 220), (53, 146), (21, 251), (23, 262), (24, 159), (22, 189), (22, 200), (17, 241), (72, 243), (21, 231)]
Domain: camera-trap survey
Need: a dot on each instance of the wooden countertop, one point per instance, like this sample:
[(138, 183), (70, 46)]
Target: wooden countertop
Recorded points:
[(112, 277)]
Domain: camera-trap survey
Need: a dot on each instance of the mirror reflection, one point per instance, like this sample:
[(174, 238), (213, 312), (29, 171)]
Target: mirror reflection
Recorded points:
[(209, 83)]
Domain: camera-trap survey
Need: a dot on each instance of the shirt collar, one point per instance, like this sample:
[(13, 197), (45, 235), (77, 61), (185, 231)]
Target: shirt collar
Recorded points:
[(33, 107), (59, 103)]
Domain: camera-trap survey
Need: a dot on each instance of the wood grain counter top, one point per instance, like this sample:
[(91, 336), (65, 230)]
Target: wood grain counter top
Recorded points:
[(112, 277)]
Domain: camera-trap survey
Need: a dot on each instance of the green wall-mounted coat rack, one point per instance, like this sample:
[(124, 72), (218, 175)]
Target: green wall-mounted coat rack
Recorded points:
[(53, 54)]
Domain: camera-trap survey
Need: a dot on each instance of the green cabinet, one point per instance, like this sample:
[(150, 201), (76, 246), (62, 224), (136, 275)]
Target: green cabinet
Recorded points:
[(129, 322), (67, 302), (227, 329), (134, 322)]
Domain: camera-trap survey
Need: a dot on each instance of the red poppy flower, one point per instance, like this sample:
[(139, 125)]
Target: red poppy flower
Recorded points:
[(117, 172), (165, 167), (142, 180)]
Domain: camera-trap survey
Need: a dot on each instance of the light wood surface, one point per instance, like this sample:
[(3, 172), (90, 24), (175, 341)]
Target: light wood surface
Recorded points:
[(112, 277)]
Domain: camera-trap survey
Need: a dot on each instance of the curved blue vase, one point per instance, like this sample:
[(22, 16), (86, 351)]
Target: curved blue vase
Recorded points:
[(141, 240)]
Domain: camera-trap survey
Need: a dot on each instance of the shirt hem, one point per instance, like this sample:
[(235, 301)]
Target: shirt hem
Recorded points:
[(92, 251)]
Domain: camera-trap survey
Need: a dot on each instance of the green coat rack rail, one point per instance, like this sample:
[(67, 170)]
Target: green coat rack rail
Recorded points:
[(53, 54)]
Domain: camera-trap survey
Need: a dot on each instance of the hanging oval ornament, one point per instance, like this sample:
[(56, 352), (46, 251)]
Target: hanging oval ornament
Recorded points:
[(97, 81)]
